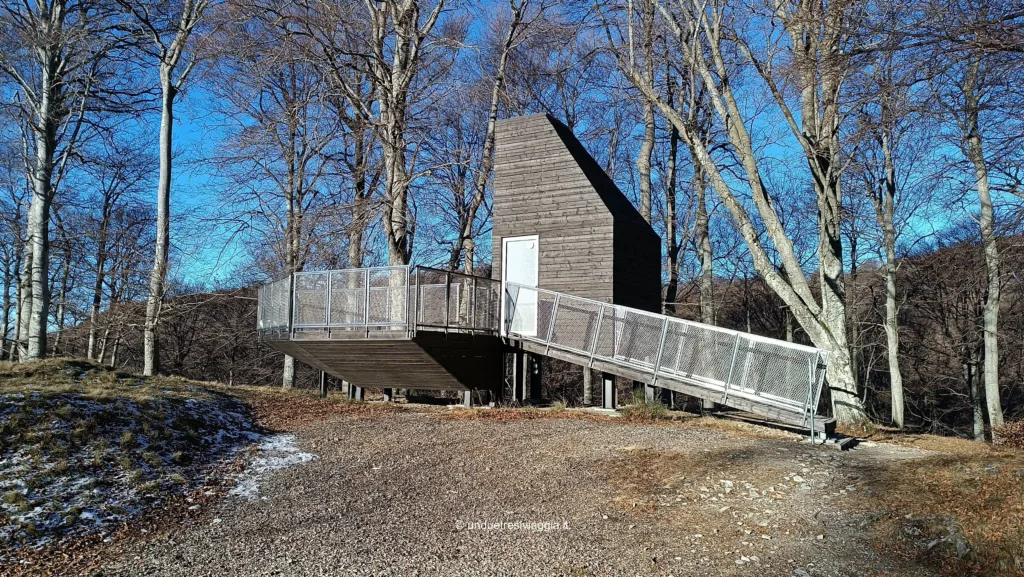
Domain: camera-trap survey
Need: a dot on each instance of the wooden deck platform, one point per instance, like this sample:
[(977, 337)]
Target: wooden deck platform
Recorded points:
[(430, 360)]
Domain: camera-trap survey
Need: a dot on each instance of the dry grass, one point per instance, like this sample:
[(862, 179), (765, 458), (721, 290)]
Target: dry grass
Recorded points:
[(956, 500), (1011, 435), (639, 417), (523, 414), (68, 427), (281, 410), (971, 493)]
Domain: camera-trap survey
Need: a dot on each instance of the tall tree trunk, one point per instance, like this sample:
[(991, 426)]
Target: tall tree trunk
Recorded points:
[(65, 277), (671, 242), (38, 307), (10, 269), (643, 161), (977, 410), (97, 288), (359, 208), (885, 208), (62, 297), (466, 242), (975, 153), (158, 276), (703, 237), (24, 304)]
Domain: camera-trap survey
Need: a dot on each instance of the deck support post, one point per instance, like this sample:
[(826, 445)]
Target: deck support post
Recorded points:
[(467, 399), (588, 386), (323, 385), (659, 394), (355, 393), (608, 391), (534, 372), (389, 395), (519, 376)]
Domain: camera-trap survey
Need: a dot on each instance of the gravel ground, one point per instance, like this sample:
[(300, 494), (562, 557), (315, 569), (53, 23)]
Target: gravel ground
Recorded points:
[(412, 493)]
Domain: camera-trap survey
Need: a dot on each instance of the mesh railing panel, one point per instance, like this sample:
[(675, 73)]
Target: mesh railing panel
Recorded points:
[(381, 298), (348, 297), (310, 299), (485, 305), (387, 296), (728, 362), (273, 305), (698, 352), (575, 323)]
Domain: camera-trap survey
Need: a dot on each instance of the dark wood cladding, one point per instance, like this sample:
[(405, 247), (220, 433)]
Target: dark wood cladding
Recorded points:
[(430, 360), (593, 242)]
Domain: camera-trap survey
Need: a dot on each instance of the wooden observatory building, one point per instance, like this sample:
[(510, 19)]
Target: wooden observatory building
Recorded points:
[(561, 224)]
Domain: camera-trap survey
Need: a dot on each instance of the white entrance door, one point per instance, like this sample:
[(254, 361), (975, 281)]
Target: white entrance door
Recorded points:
[(520, 266)]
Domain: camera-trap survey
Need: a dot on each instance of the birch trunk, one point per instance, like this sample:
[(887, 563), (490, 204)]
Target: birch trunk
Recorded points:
[(359, 208), (97, 287), (885, 210), (976, 154), (643, 161), (24, 296), (977, 410), (38, 305), (158, 276), (671, 242), (703, 234), (8, 306)]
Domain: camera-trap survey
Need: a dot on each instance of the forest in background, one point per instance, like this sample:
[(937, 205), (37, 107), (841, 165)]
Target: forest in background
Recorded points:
[(846, 174)]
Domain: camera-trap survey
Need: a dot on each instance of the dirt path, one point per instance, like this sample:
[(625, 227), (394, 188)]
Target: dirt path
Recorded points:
[(414, 494)]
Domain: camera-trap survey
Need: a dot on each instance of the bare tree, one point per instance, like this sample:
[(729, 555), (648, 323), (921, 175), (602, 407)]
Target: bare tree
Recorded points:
[(280, 131), (814, 36), (168, 24), (53, 51), (464, 245), (399, 34)]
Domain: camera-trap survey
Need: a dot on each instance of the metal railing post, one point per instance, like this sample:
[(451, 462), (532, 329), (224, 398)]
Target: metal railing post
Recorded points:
[(661, 349), (327, 311), (732, 366), (597, 334), (746, 365), (366, 302), (808, 411), (408, 285), (447, 298), (551, 323), (291, 303), (472, 306), (417, 298)]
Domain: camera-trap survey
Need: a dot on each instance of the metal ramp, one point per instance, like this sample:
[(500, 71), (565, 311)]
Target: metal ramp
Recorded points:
[(772, 378), (425, 328)]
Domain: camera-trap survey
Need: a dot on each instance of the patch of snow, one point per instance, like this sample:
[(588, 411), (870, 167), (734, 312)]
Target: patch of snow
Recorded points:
[(275, 452)]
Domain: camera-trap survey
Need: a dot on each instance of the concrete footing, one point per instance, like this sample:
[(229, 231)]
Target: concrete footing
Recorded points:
[(608, 400)]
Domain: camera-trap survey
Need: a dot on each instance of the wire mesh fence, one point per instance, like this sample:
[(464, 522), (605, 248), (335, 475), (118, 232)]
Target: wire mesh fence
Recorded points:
[(377, 299), (778, 373), (272, 310)]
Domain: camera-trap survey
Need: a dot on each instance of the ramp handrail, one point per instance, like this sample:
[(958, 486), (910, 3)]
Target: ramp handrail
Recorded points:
[(778, 373)]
